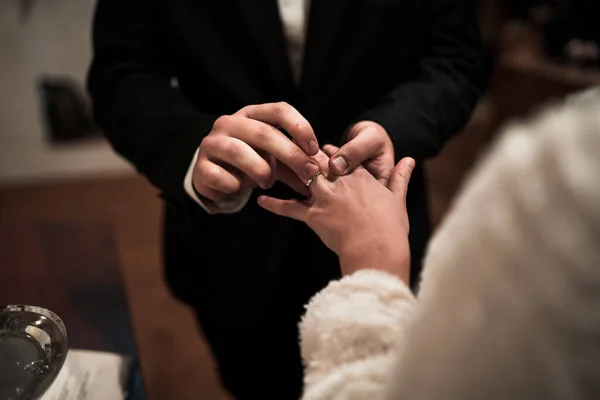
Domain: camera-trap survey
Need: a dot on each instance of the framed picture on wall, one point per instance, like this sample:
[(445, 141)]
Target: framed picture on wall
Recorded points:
[(48, 132), (57, 48), (65, 109)]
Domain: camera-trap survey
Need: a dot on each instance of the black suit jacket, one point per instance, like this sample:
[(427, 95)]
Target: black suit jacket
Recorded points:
[(414, 66)]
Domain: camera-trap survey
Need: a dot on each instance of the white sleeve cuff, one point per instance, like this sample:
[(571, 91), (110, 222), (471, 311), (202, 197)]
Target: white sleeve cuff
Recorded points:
[(230, 206), (361, 316)]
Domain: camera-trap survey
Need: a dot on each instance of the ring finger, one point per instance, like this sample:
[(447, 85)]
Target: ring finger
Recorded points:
[(317, 186)]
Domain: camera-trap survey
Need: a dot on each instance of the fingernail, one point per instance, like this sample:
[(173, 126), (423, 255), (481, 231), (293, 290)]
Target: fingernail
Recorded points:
[(313, 147), (340, 163), (261, 199), (311, 170)]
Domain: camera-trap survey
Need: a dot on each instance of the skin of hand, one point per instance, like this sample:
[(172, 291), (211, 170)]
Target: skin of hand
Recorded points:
[(287, 176), (364, 222), (247, 149), (368, 144)]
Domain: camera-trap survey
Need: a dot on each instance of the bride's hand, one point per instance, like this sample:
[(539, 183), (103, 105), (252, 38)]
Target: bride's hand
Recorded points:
[(361, 220)]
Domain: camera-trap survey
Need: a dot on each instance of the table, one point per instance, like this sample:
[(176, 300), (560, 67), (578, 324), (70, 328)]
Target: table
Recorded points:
[(73, 270)]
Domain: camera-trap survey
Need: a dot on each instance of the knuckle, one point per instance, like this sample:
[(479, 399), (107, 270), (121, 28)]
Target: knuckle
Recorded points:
[(264, 133), (211, 176), (362, 172), (200, 167), (298, 156), (314, 214), (222, 122), (244, 110), (304, 127), (233, 149), (341, 183), (281, 107), (329, 194), (207, 143)]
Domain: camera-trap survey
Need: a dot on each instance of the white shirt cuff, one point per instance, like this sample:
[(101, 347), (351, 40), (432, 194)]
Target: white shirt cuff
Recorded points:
[(230, 206)]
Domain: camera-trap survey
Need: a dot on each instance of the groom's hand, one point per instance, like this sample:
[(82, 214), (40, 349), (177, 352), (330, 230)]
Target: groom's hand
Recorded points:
[(242, 149), (369, 144), (285, 175)]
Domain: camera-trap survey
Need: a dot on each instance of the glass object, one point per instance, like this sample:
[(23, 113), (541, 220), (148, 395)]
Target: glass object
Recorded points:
[(33, 349)]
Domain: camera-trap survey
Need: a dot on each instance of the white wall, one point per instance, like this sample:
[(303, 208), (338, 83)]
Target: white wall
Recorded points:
[(55, 39)]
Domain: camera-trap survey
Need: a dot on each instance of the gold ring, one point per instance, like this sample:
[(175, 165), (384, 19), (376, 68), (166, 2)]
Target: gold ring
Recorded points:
[(311, 180)]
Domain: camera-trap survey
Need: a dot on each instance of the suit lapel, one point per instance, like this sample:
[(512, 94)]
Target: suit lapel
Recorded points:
[(264, 24), (323, 27)]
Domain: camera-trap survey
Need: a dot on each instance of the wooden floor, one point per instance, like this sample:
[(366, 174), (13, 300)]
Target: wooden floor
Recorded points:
[(176, 363)]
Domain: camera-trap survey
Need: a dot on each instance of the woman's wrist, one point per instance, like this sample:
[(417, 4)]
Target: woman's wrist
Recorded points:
[(391, 258)]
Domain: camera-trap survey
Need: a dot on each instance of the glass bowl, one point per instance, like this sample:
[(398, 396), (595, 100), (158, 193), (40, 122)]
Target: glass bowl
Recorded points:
[(33, 349)]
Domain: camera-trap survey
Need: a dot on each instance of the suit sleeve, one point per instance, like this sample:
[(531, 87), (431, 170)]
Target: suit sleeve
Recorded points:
[(421, 114), (145, 119)]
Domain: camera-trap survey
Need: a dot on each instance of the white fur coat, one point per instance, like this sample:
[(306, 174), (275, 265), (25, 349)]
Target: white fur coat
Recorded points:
[(509, 306)]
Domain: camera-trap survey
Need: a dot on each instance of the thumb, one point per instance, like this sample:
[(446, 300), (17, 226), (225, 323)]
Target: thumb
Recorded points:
[(330, 150), (366, 145), (398, 183)]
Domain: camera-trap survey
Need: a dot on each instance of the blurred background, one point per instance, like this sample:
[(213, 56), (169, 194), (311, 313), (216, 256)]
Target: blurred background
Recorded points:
[(69, 205)]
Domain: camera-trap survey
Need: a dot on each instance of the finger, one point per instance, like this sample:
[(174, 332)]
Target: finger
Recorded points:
[(272, 164), (287, 117), (210, 194), (216, 177), (401, 177), (260, 135), (319, 186), (330, 149), (285, 208), (364, 146), (322, 160), (235, 152), (287, 176), (327, 151)]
